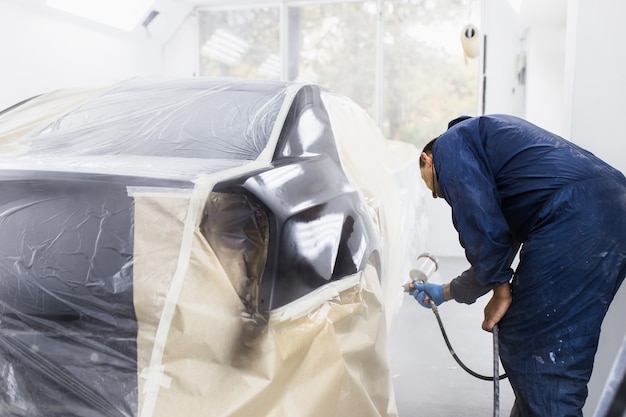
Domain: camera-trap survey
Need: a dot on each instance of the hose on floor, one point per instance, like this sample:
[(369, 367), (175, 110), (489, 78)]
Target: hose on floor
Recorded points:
[(433, 307), (496, 361)]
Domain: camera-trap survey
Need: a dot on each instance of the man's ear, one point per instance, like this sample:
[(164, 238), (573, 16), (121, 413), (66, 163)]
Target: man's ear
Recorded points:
[(428, 160)]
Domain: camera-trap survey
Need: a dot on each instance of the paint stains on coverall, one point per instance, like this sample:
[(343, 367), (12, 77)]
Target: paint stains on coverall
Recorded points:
[(510, 181)]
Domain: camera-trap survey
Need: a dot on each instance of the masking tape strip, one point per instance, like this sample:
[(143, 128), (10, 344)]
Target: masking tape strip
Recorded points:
[(155, 376), (164, 192), (303, 306), (268, 152)]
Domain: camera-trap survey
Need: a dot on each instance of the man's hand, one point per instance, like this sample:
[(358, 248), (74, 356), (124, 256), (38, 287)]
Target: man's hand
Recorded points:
[(497, 306), (423, 293)]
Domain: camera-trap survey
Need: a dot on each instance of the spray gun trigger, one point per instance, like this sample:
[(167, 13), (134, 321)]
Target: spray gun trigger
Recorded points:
[(410, 286)]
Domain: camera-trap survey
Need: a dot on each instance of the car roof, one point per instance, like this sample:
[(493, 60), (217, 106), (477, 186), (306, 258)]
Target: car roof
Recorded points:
[(189, 119)]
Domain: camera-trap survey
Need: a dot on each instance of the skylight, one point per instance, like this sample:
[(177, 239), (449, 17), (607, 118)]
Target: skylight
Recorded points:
[(120, 14)]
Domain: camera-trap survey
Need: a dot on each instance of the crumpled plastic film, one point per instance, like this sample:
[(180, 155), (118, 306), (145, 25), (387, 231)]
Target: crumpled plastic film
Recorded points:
[(39, 110), (328, 359), (116, 302), (387, 174)]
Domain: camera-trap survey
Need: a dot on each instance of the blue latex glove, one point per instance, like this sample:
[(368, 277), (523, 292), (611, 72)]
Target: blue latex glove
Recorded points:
[(424, 292)]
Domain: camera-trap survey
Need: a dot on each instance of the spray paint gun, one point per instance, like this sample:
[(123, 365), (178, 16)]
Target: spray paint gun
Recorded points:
[(425, 265), (423, 268)]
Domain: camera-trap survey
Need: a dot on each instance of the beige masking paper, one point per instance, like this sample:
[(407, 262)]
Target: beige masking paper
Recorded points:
[(324, 354)]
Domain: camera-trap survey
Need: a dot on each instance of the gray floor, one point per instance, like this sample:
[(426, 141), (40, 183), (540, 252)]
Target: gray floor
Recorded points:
[(427, 380)]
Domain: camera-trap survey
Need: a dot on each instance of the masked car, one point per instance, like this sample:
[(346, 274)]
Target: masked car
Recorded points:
[(214, 247)]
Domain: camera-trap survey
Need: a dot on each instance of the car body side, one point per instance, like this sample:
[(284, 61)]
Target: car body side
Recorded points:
[(136, 287)]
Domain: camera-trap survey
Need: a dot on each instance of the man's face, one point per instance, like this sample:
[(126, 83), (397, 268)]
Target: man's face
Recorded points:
[(426, 172)]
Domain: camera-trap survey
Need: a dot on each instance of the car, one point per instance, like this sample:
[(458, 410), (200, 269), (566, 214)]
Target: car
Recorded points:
[(201, 247)]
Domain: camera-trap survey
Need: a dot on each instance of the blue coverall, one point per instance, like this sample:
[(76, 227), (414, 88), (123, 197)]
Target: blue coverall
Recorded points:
[(510, 182)]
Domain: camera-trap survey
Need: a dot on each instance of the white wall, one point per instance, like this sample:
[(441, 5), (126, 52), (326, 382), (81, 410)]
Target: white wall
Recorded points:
[(545, 57), (596, 83), (505, 35), (180, 51), (44, 49)]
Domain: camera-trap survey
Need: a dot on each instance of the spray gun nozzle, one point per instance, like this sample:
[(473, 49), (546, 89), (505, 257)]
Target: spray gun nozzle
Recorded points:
[(410, 286)]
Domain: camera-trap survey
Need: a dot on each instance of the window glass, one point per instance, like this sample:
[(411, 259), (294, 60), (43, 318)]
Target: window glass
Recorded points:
[(335, 45), (428, 81), (426, 78), (242, 42)]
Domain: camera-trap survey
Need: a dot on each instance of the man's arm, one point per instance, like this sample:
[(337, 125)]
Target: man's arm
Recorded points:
[(446, 292), (466, 289), (497, 306)]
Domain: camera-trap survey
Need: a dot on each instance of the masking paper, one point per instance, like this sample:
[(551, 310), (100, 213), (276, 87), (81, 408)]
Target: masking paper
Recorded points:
[(328, 358)]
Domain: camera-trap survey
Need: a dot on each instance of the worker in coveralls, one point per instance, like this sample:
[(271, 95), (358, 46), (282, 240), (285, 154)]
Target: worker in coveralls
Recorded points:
[(511, 183)]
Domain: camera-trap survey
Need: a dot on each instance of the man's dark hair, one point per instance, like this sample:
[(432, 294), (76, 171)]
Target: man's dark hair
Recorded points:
[(428, 149)]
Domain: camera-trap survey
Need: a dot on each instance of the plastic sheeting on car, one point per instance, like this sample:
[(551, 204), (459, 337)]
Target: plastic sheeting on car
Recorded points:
[(148, 321)]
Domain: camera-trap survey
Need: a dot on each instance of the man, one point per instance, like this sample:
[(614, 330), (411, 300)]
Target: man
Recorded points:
[(509, 181)]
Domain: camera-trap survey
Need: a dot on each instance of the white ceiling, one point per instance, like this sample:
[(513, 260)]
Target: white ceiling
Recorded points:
[(532, 12), (543, 12)]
